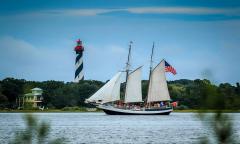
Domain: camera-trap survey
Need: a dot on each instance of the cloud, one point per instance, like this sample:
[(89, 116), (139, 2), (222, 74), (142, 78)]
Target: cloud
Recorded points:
[(72, 12), (64, 12), (133, 10), (19, 51), (101, 62), (21, 59), (185, 10)]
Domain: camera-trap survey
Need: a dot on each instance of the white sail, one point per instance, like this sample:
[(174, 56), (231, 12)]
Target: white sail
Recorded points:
[(116, 91), (158, 89), (134, 87), (109, 92)]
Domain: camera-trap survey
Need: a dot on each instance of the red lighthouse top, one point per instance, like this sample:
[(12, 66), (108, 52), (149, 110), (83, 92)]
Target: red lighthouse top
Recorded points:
[(79, 47)]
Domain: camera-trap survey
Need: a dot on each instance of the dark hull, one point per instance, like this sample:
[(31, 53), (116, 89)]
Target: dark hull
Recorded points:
[(110, 112)]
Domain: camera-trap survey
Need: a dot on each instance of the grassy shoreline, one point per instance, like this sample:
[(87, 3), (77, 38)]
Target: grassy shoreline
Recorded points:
[(206, 111), (46, 111), (84, 110)]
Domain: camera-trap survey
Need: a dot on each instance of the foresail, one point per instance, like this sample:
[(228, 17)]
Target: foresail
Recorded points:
[(115, 94), (134, 87), (109, 92), (158, 89)]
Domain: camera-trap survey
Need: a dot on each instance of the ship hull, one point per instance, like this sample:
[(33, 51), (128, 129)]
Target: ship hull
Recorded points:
[(116, 111)]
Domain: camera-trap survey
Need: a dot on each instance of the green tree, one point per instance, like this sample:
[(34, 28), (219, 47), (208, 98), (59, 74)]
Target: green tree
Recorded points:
[(12, 88), (50, 89)]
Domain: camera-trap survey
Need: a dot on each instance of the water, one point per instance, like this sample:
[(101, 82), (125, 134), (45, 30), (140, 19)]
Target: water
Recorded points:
[(100, 128)]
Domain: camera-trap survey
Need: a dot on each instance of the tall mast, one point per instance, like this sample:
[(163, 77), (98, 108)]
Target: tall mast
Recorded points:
[(150, 70), (128, 60), (127, 67), (151, 62)]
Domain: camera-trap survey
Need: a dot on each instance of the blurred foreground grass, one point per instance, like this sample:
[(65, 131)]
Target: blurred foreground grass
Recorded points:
[(219, 123), (35, 132)]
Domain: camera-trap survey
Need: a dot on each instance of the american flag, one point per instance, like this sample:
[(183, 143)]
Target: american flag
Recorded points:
[(169, 68)]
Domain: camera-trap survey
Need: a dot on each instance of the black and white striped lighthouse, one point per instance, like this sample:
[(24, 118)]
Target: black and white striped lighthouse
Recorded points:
[(79, 61)]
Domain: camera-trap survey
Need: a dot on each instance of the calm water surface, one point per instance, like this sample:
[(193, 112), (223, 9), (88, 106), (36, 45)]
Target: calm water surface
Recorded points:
[(91, 128)]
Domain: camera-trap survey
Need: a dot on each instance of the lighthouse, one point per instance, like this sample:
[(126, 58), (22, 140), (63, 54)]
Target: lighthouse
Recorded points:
[(79, 61)]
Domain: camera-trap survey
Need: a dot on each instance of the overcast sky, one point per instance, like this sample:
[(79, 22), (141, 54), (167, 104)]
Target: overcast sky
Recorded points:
[(199, 38)]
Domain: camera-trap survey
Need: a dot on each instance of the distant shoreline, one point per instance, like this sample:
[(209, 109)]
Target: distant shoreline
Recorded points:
[(47, 111), (206, 111), (84, 111)]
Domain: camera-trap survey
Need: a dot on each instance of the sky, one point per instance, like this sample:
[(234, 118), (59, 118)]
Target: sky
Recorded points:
[(199, 38)]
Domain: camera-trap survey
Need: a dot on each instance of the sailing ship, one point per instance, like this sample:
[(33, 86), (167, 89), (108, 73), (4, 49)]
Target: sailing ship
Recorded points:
[(157, 101)]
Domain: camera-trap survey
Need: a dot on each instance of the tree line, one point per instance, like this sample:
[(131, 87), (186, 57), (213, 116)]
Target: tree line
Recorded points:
[(190, 94)]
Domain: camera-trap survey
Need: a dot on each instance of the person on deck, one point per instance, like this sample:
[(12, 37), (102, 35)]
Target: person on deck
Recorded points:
[(161, 104)]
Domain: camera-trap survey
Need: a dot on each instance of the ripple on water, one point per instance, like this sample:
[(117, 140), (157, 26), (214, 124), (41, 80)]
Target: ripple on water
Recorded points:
[(102, 129)]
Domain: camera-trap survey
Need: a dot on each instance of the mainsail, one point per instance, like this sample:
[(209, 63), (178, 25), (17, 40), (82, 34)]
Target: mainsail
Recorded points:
[(158, 89), (134, 87), (109, 92)]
